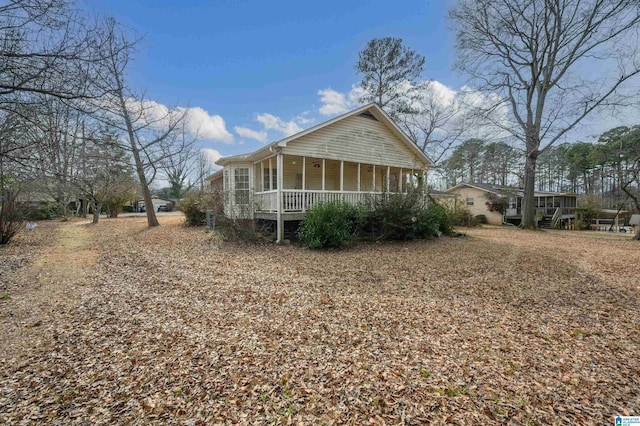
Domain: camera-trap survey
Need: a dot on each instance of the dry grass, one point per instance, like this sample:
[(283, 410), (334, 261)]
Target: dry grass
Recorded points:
[(171, 326)]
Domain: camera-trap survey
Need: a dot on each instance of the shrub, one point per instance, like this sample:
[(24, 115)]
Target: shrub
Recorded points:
[(128, 209), (195, 210), (10, 216), (37, 212), (482, 219), (458, 215), (235, 229), (496, 203), (442, 217), (331, 225), (408, 216), (585, 217), (397, 216)]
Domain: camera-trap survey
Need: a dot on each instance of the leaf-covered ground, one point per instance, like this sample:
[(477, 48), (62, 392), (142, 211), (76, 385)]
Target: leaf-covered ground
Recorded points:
[(120, 324)]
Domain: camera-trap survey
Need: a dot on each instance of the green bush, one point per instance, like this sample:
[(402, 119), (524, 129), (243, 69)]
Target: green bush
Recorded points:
[(128, 209), (482, 219), (442, 217), (331, 225), (195, 210), (397, 216), (407, 216), (458, 215), (39, 212)]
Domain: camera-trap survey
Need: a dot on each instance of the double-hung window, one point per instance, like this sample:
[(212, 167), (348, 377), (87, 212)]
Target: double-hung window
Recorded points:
[(270, 184), (241, 185)]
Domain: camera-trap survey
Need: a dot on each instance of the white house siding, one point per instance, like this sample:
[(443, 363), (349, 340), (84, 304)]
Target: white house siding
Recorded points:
[(356, 139)]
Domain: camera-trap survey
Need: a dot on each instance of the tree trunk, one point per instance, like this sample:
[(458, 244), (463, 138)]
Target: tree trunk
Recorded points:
[(152, 220), (96, 212), (637, 236), (528, 207)]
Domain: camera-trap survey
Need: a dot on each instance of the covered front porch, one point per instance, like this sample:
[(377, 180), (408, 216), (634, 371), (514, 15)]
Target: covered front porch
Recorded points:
[(545, 205), (306, 181)]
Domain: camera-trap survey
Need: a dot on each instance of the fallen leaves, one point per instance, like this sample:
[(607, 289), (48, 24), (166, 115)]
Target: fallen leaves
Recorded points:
[(175, 327)]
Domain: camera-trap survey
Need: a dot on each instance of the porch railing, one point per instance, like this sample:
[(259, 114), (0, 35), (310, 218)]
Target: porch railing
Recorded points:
[(542, 211), (297, 200)]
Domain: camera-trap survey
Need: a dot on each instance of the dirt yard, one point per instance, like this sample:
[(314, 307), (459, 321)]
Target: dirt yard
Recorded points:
[(120, 324)]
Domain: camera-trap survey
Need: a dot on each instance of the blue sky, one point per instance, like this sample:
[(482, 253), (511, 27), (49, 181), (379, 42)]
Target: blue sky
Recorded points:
[(246, 61)]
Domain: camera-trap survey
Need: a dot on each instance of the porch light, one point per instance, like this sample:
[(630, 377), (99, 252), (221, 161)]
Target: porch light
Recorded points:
[(293, 162)]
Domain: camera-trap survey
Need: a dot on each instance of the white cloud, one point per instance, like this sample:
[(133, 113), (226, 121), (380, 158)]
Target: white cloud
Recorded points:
[(271, 122), (260, 136), (303, 118), (334, 102), (444, 94), (211, 156), (201, 123), (197, 121)]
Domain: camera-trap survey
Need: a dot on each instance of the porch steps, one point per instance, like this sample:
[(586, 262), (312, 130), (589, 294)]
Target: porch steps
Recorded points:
[(545, 222)]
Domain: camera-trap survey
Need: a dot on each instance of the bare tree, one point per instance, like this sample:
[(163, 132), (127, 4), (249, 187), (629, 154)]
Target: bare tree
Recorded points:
[(205, 167), (12, 130), (47, 47), (103, 165), (541, 57), (182, 168), (56, 129), (148, 128)]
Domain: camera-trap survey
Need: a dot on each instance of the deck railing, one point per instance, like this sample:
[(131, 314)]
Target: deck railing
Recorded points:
[(542, 211), (297, 200)]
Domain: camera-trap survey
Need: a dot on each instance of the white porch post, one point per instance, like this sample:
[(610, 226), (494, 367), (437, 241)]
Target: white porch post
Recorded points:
[(400, 182), (270, 176), (323, 174), (388, 178), (358, 177), (425, 190), (374, 178), (280, 225), (304, 173), (341, 175), (262, 176)]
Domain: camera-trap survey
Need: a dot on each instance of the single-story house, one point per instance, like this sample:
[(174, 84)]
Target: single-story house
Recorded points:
[(553, 209), (159, 204), (610, 220), (351, 158), (442, 196)]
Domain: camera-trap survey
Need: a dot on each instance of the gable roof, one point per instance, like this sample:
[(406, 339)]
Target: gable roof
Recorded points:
[(507, 191), (487, 187), (371, 109)]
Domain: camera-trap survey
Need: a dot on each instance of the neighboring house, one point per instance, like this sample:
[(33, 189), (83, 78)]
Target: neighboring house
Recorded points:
[(553, 209), (159, 204), (442, 196), (610, 220), (352, 158)]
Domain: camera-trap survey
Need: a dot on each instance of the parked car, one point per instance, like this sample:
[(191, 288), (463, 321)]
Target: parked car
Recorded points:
[(163, 208)]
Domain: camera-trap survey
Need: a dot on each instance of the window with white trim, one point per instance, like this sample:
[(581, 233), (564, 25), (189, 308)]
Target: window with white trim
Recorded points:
[(241, 185), (274, 179), (469, 201)]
